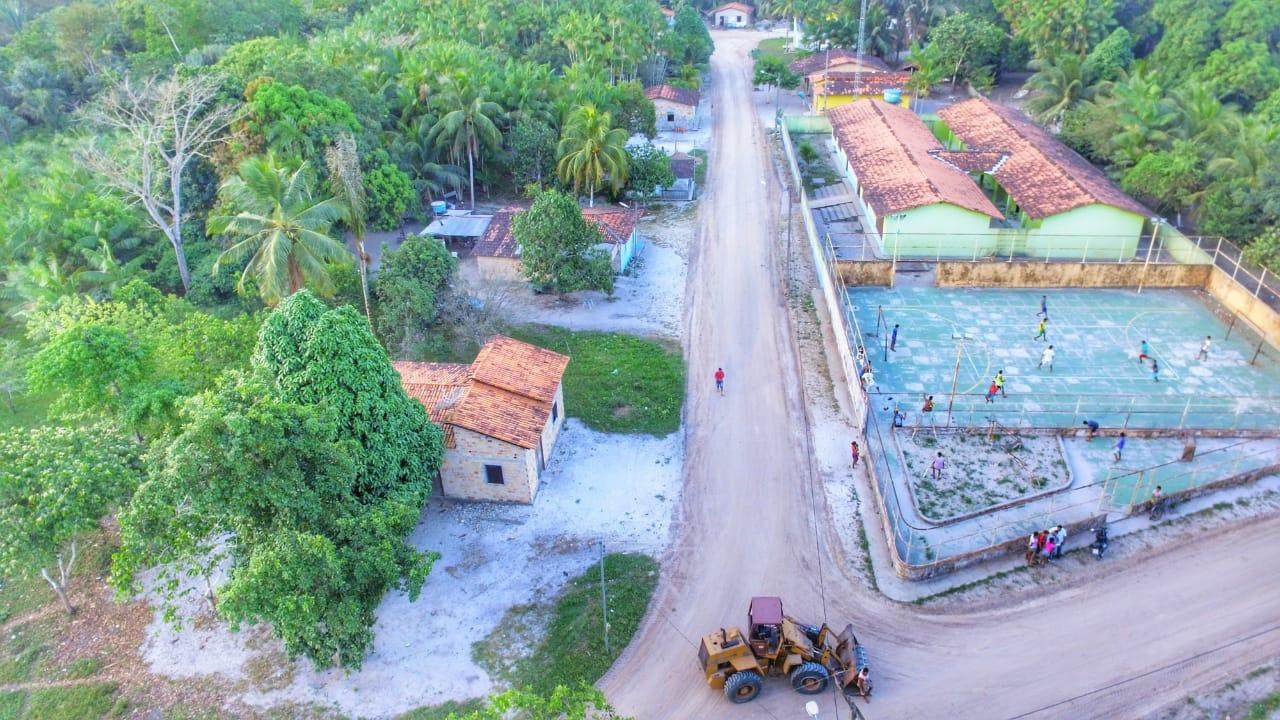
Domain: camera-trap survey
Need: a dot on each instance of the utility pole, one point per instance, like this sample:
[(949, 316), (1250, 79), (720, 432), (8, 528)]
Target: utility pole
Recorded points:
[(955, 374), (604, 601)]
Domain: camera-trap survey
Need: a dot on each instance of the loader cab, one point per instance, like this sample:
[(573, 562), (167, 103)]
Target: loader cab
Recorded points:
[(764, 625)]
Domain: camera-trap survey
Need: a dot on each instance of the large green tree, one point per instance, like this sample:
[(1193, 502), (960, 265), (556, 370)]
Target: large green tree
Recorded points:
[(558, 247), (408, 287), (281, 225), (1057, 27), (56, 484), (969, 47)]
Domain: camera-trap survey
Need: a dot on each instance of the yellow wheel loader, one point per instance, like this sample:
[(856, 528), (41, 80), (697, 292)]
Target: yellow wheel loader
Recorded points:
[(810, 656)]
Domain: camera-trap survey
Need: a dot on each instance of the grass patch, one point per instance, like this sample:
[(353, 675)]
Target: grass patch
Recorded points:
[(1264, 708), (11, 705), (571, 650), (80, 702), (616, 383), (774, 47), (81, 668), (442, 712), (21, 651), (29, 410)]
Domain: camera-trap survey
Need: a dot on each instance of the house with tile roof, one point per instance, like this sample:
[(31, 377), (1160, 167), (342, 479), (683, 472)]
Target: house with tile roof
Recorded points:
[(829, 90), (837, 60), (497, 252), (915, 203), (675, 108), (732, 15), (501, 416), (1049, 194)]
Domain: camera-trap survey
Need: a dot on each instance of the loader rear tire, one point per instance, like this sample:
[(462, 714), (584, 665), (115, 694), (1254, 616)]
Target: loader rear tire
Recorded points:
[(810, 678), (743, 686)]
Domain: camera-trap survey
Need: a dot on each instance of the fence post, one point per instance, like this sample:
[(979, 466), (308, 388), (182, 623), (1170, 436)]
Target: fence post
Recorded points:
[(1182, 423), (1261, 279), (1128, 414), (1075, 415), (1084, 256)]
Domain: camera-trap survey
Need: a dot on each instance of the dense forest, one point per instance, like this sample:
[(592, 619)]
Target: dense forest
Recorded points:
[(190, 343), (1179, 100)]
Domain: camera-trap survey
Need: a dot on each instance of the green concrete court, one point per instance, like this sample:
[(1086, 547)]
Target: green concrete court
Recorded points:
[(1096, 373)]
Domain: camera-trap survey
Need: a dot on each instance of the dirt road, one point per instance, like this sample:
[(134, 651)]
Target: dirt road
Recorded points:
[(754, 523)]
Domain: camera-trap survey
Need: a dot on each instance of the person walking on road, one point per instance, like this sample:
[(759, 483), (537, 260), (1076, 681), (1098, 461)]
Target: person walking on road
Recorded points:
[(1119, 450), (937, 466), (991, 392), (1046, 358), (1144, 352), (720, 380), (1155, 370), (853, 450), (999, 381), (1041, 332), (1204, 348), (1044, 307), (1093, 428), (893, 339), (1032, 549)]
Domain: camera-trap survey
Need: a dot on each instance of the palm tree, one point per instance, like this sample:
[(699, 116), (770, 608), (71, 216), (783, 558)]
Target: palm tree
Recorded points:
[(1143, 116), (283, 226), (1057, 86), (467, 127), (412, 146), (1255, 144), (591, 150), (1202, 118), (347, 183), (37, 283)]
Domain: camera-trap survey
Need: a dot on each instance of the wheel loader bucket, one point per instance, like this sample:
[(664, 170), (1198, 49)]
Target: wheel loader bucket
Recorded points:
[(849, 655)]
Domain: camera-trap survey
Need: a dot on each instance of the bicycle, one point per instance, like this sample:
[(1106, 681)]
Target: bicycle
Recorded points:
[(1159, 508)]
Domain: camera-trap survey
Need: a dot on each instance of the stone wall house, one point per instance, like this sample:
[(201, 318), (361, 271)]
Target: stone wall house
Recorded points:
[(675, 108), (501, 416)]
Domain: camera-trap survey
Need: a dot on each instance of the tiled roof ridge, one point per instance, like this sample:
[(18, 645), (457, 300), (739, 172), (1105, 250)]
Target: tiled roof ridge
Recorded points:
[(907, 150), (998, 112)]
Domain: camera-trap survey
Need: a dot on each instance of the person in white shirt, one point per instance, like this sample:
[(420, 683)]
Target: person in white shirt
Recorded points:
[(1046, 358), (1204, 348)]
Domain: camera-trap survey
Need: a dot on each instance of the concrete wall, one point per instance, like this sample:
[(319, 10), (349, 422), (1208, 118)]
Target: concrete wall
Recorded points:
[(1238, 300), (874, 272), (498, 269), (732, 19), (1091, 232), (938, 230), (807, 124), (462, 473), (552, 431), (1062, 274), (685, 117)]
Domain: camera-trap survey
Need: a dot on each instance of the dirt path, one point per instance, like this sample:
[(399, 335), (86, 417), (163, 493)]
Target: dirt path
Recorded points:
[(755, 524)]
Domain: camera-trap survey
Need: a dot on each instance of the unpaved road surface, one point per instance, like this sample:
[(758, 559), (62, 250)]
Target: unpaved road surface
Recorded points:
[(754, 523)]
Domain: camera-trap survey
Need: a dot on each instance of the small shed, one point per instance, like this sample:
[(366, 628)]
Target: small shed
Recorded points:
[(497, 252), (685, 168), (733, 15), (675, 108), (458, 228)]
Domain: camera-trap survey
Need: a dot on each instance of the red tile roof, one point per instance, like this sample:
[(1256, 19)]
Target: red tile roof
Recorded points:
[(499, 239), (888, 147), (839, 57), (616, 224), (842, 83), (740, 7), (1041, 174), (506, 393), (683, 96), (980, 161), (519, 367)]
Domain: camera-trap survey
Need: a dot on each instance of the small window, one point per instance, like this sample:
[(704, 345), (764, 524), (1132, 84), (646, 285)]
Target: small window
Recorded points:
[(493, 475), (671, 117), (555, 412)]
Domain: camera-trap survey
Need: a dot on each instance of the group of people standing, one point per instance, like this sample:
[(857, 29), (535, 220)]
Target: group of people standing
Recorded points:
[(1046, 545)]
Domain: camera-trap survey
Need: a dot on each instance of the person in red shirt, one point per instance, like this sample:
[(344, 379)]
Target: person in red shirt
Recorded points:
[(853, 449), (720, 380)]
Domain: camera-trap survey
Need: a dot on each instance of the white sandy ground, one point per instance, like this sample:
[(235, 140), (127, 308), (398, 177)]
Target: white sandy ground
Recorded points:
[(621, 489), (647, 301)]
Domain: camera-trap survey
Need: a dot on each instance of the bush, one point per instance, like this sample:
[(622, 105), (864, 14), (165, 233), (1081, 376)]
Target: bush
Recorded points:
[(390, 195)]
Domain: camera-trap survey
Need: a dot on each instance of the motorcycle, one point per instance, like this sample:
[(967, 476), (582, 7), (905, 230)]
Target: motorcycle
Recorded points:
[(1100, 541)]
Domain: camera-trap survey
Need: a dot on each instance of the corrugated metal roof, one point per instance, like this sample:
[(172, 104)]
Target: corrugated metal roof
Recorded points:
[(458, 226)]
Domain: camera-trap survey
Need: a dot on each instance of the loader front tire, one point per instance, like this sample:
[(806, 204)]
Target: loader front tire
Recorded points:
[(743, 686), (810, 678)]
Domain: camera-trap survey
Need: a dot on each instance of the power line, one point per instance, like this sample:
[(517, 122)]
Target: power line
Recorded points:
[(1149, 673)]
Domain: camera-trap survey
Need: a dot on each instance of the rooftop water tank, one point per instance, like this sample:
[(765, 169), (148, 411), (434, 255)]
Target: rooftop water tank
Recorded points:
[(893, 96)]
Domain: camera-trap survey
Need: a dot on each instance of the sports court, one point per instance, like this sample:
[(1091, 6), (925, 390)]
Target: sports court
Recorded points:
[(1095, 334)]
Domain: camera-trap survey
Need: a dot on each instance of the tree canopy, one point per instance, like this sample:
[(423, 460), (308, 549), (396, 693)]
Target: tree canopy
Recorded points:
[(558, 250)]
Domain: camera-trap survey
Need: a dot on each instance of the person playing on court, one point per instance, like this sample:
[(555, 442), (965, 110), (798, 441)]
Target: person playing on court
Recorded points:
[(999, 381), (1204, 348), (720, 380), (1046, 358), (1041, 332), (1093, 428), (1144, 352), (1044, 306)]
